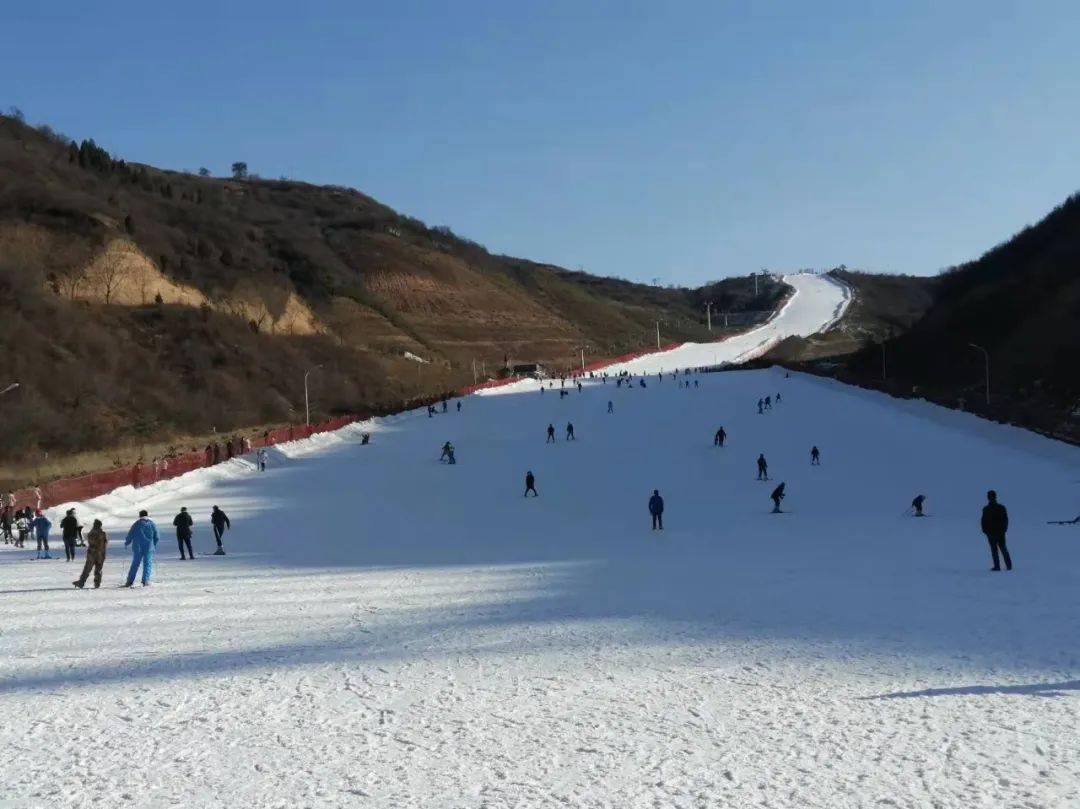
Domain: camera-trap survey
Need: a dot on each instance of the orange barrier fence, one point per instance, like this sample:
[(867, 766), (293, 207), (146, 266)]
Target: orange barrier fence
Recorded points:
[(96, 484)]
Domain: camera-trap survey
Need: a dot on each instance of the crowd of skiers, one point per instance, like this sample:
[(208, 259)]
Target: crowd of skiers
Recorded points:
[(20, 524)]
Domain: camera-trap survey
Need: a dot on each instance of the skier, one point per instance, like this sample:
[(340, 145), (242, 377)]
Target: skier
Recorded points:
[(570, 432), (815, 456), (183, 523), (451, 459), (550, 434), (656, 509), (777, 496), (459, 404), (23, 525), (641, 382), (97, 543), (768, 403), (143, 539), (995, 522), (447, 448), (916, 504), (69, 528), (778, 398), (444, 405), (260, 456), (760, 406), (530, 484), (579, 387), (719, 438), (610, 406), (220, 520), (41, 526), (762, 467)]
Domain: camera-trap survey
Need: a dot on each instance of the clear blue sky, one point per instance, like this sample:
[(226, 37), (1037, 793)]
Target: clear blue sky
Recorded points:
[(681, 141)]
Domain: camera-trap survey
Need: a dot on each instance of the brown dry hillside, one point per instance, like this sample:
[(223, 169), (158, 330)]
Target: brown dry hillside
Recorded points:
[(142, 304)]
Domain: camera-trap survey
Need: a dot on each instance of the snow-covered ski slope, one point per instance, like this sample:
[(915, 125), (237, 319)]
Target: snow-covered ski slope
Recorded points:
[(389, 631), (817, 302)]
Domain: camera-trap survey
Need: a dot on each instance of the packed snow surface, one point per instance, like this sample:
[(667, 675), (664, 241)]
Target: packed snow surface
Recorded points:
[(816, 302), (390, 631)]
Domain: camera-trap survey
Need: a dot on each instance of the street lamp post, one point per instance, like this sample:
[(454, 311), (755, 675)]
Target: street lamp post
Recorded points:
[(986, 360), (307, 406)]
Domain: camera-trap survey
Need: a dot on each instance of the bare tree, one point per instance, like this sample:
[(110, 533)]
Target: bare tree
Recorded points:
[(113, 269), (70, 281)]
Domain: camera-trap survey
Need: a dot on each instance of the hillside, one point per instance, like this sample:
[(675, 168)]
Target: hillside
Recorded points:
[(1021, 302), (145, 305)]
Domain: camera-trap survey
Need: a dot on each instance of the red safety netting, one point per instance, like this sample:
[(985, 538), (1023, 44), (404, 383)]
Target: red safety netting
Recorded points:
[(96, 484)]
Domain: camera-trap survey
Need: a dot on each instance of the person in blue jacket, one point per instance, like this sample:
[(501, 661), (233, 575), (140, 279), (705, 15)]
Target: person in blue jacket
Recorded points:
[(41, 526), (143, 538), (656, 509)]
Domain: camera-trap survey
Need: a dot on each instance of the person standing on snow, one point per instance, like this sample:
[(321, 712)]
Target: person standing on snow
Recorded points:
[(183, 524), (260, 457), (719, 438), (815, 456), (220, 520), (143, 539), (777, 496), (447, 448), (97, 542), (762, 467), (768, 403), (760, 406), (917, 504), (995, 522), (42, 525), (610, 406), (530, 484), (550, 434), (23, 526), (69, 532), (656, 509), (459, 405), (570, 432), (778, 398)]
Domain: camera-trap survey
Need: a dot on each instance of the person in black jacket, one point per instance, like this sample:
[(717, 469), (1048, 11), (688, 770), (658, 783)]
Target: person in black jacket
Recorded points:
[(550, 434), (762, 467), (184, 523), (995, 522), (777, 497), (530, 484), (815, 456), (719, 438), (220, 520), (656, 509), (70, 532)]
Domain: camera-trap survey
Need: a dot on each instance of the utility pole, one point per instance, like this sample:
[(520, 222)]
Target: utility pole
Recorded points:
[(986, 357), (708, 314), (582, 360), (307, 406), (474, 370), (658, 334)]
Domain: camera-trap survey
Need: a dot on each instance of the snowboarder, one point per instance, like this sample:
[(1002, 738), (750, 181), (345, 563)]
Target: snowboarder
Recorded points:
[(570, 432), (762, 467), (69, 532), (260, 456), (42, 525), (719, 438), (656, 509), (917, 503), (550, 434), (760, 406), (447, 448), (143, 539), (777, 496), (995, 522), (815, 456), (97, 543), (530, 484), (610, 406), (184, 523), (220, 520)]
